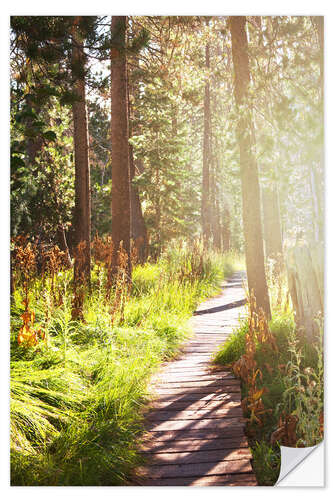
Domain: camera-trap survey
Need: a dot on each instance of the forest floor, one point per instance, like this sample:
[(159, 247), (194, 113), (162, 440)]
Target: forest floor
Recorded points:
[(195, 425)]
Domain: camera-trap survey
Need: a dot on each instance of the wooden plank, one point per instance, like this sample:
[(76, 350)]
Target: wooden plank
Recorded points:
[(192, 396), (193, 371), (207, 424), (199, 390), (208, 347), (189, 371), (208, 340), (194, 414), (198, 457), (186, 445), (189, 365), (197, 356), (204, 343), (186, 361), (222, 480), (194, 434), (214, 385), (201, 350), (180, 377), (202, 469), (196, 405)]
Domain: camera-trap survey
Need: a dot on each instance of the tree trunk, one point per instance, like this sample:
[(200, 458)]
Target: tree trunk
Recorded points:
[(205, 197), (316, 180), (138, 226), (139, 233), (306, 286), (254, 251), (272, 226), (319, 22), (215, 215), (82, 209), (215, 208), (121, 192), (226, 227)]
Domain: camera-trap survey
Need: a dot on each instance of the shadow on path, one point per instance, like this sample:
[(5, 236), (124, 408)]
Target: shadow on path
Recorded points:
[(231, 305)]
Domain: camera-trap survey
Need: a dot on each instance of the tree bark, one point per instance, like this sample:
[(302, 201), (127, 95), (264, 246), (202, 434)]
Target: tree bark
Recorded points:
[(138, 226), (254, 251), (121, 192), (82, 209), (139, 233), (215, 208), (205, 197), (226, 227), (215, 213), (272, 226)]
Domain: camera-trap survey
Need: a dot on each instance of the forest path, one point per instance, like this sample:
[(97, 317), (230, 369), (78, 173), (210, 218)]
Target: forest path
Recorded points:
[(195, 425)]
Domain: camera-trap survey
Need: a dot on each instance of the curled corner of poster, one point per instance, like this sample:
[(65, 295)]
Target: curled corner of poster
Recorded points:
[(302, 466)]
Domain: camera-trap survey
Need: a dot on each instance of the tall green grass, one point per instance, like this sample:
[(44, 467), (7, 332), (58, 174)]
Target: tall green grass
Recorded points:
[(77, 398)]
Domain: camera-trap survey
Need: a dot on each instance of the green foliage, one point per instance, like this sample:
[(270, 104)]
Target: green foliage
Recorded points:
[(42, 181), (304, 393), (266, 463), (78, 397), (100, 167), (233, 348)]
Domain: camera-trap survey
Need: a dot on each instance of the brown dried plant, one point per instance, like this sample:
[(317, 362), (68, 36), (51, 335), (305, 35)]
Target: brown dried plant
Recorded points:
[(285, 433), (24, 268), (101, 249), (53, 262), (247, 368), (29, 336)]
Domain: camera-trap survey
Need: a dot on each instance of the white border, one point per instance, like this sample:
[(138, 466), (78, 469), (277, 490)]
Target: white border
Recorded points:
[(144, 7)]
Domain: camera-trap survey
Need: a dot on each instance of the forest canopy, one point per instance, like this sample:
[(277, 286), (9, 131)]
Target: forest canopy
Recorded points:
[(168, 70)]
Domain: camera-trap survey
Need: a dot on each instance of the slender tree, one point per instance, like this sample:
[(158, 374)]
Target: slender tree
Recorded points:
[(272, 225), (215, 211), (82, 209), (139, 233), (206, 157), (254, 250), (272, 230), (121, 192), (215, 206), (226, 230), (314, 175)]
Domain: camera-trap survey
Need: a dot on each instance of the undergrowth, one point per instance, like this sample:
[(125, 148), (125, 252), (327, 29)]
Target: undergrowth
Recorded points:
[(282, 383), (79, 388)]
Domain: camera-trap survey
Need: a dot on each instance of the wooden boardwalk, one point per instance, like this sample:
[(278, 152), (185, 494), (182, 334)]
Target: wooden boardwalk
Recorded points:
[(195, 428)]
